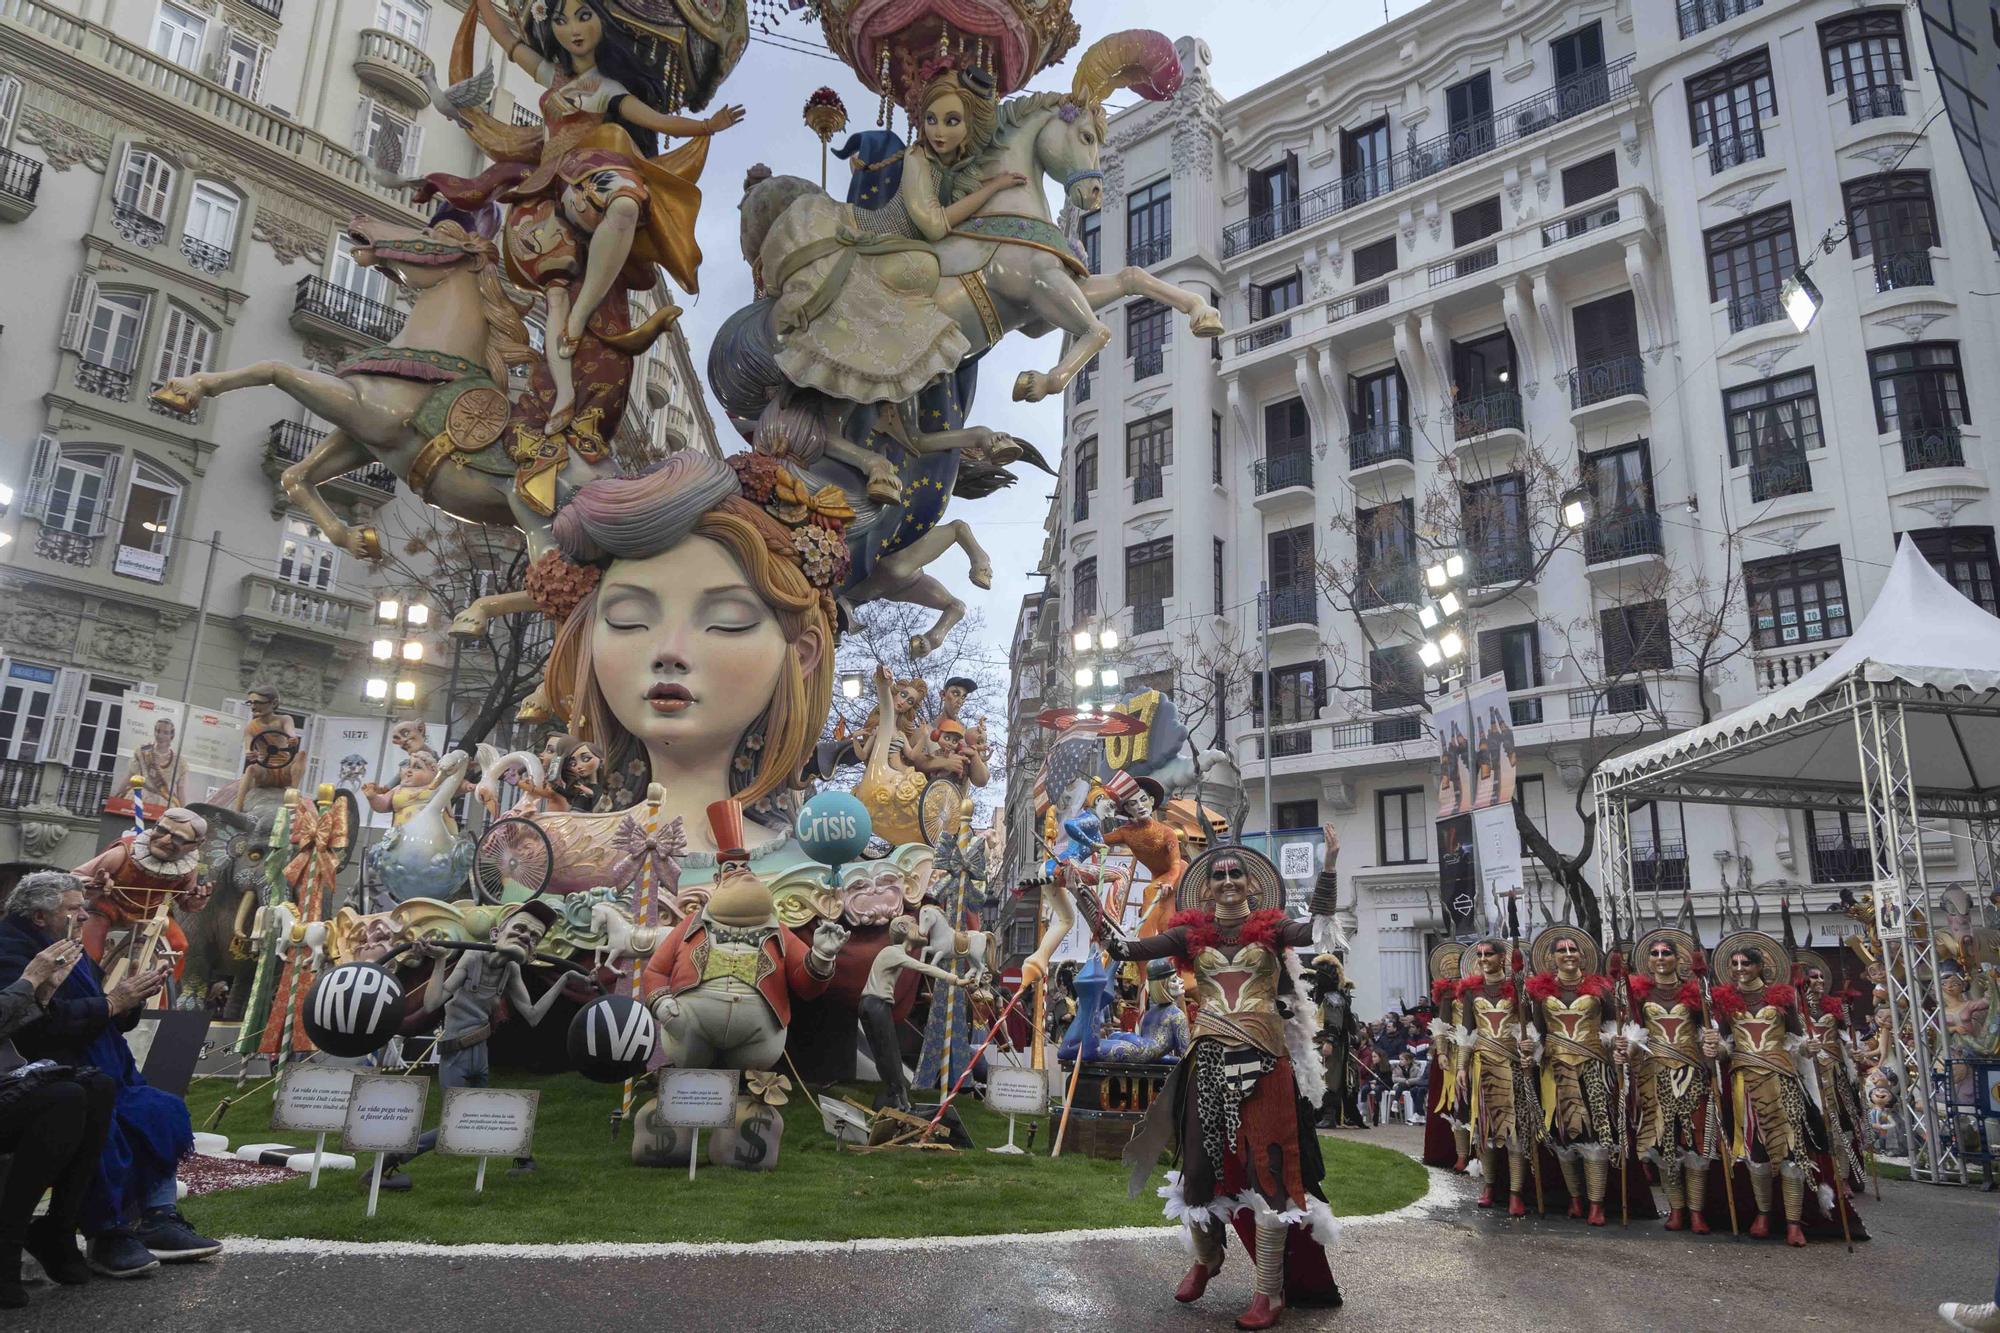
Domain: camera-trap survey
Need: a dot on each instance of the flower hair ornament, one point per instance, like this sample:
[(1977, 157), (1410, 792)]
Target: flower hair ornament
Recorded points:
[(815, 520)]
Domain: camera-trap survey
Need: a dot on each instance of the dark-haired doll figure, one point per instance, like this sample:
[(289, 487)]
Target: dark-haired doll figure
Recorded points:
[(589, 204)]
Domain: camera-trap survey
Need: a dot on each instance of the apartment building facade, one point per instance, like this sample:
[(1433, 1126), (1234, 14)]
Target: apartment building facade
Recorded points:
[(175, 180), (1484, 260)]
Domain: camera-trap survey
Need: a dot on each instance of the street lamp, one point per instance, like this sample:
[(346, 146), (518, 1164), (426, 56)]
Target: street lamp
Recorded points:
[(1575, 507), (1801, 300), (850, 686)]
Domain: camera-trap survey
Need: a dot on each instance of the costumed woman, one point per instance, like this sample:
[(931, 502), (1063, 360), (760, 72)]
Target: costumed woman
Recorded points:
[(591, 204), (1677, 1126), (1498, 1102), (1839, 1096), (697, 638), (1572, 1008), (1237, 1113)]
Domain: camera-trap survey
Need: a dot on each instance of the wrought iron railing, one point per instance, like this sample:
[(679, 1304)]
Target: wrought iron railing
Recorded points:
[(1079, 511), (1747, 312), (141, 229), (1473, 417), (1368, 445), (1085, 381), (1621, 535), (350, 310), (1580, 223), (1149, 617), (1149, 483), (1464, 264), (1661, 868), (1291, 744), (1264, 335), (1291, 468), (201, 255), (292, 441), (1357, 302), (83, 792), (1505, 558), (1837, 859), (274, 8), (1525, 712), (1733, 150), (20, 783), (1903, 268), (1701, 15), (1931, 446), (1613, 377), (104, 381), (1873, 101), (1520, 120), (1385, 585), (1294, 606), (20, 176), (67, 548), (1149, 361), (1395, 730), (1150, 252), (1779, 473)]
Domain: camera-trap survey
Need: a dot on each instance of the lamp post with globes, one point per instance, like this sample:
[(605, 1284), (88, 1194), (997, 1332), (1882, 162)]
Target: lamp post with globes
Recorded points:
[(1094, 670), (396, 648)]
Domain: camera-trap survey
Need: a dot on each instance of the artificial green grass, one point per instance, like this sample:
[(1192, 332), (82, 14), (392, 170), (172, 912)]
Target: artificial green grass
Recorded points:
[(588, 1190)]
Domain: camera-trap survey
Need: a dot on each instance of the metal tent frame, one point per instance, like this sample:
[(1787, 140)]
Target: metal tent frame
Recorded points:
[(1890, 795)]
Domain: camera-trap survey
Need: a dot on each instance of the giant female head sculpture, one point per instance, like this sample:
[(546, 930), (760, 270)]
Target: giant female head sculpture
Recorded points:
[(705, 644)]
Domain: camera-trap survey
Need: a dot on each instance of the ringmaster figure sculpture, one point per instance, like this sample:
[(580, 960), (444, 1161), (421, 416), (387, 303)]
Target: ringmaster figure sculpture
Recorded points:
[(722, 983), (1238, 1111)]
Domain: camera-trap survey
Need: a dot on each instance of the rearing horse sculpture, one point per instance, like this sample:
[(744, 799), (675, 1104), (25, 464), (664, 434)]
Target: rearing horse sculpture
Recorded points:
[(887, 424), (432, 405)]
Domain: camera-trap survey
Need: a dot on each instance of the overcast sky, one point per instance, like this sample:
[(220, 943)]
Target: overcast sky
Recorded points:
[(1257, 41)]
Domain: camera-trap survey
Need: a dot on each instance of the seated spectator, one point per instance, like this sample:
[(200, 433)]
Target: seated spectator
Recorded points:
[(84, 1026), (52, 1121), (1407, 1076)]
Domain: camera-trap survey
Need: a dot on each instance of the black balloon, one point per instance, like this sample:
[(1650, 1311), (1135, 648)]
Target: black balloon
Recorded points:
[(354, 1009), (612, 1038)]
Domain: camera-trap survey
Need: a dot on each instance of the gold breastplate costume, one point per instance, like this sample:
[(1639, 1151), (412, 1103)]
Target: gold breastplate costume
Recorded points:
[(1673, 1032), (1757, 1038), (1239, 998), (1492, 1024), (1575, 1029)]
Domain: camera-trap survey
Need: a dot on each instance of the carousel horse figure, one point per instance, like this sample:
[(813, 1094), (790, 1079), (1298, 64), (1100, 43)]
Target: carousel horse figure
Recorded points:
[(857, 366)]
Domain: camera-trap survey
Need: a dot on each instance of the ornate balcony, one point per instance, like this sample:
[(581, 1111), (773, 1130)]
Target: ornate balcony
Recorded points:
[(1747, 312), (1580, 223), (1385, 585), (1280, 471), (321, 307), (396, 67), (1294, 606), (203, 256), (1897, 269), (1464, 264), (1148, 483), (1148, 253), (1837, 859), (270, 8), (1931, 446), (104, 381), (1149, 361), (1733, 150), (1779, 474), (1866, 102), (141, 229), (1264, 335), (1505, 558), (1495, 411), (1621, 536), (1357, 303), (20, 783), (1149, 617), (309, 613), (1775, 668), (1601, 381), (1369, 445), (66, 548), (83, 792), (20, 182), (288, 442), (1700, 15)]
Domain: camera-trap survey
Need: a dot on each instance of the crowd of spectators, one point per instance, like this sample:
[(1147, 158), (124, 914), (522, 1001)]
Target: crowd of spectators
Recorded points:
[(1393, 1060)]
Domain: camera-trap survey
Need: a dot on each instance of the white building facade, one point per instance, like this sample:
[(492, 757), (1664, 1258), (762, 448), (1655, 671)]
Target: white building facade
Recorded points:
[(175, 181), (1483, 257)]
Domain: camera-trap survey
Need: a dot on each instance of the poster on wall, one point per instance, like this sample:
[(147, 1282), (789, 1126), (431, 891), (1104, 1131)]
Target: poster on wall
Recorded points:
[(1498, 840), (214, 742), (345, 751), (1458, 882), (1491, 733), (1454, 767), (153, 748)]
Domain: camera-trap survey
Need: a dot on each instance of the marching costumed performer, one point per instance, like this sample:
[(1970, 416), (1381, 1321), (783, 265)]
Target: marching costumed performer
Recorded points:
[(1580, 1104), (1498, 1109), (1237, 1113), (1676, 1124), (1839, 1095), (1447, 1141), (1775, 1126)]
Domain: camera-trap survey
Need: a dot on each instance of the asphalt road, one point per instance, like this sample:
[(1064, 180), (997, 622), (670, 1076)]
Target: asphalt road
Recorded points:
[(1449, 1267)]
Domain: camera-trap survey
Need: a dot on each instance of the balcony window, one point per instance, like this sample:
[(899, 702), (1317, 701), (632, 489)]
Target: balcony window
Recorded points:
[(178, 35), (1287, 457), (1149, 445), (1385, 552), (1275, 298), (1086, 380), (370, 284), (210, 234), (116, 323), (1375, 261), (1091, 232), (1469, 112), (1590, 179), (1964, 558), (1215, 448), (407, 19), (1475, 223), (1797, 599), (1085, 468), (1773, 424), (1378, 420), (1607, 349), (1395, 678), (1891, 217), (1215, 572), (387, 138), (1727, 107), (1494, 520), (1083, 589), (1365, 166), (1274, 200), (1866, 59), (242, 65), (10, 107), (1297, 693), (151, 502), (1578, 56), (1700, 15), (70, 488), (1149, 577), (143, 197), (186, 348), (1515, 652), (1146, 337), (305, 558), (1623, 522), (1920, 394), (1657, 834), (1838, 848), (1748, 263), (1149, 223), (1402, 833), (1291, 575), (27, 705)]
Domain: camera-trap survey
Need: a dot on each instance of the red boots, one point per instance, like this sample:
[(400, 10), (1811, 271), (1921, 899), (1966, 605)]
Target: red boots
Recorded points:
[(1515, 1208), (1794, 1234), (1597, 1214), (1196, 1282), (1677, 1219), (1263, 1313), (1761, 1228)]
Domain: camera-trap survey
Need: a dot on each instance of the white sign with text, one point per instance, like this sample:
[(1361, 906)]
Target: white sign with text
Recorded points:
[(488, 1122), (1018, 1091), (698, 1098), (385, 1113), (313, 1100)]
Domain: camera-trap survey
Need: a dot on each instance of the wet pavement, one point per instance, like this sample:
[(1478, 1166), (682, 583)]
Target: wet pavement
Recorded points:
[(1446, 1266)]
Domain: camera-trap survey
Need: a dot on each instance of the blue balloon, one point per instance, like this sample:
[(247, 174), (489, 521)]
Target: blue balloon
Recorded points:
[(834, 827)]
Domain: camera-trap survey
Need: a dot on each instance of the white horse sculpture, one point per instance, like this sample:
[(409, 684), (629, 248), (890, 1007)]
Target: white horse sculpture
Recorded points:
[(942, 943)]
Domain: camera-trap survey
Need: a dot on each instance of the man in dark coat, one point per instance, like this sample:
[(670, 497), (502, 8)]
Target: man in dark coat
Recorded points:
[(84, 1026)]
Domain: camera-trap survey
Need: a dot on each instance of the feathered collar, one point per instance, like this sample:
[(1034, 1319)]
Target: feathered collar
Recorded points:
[(1204, 933), (1544, 985), (1476, 983), (1642, 988), (1730, 1000), (1443, 989), (1832, 1004)]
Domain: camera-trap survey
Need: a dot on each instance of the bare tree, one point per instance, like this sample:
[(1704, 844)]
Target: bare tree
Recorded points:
[(450, 565)]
